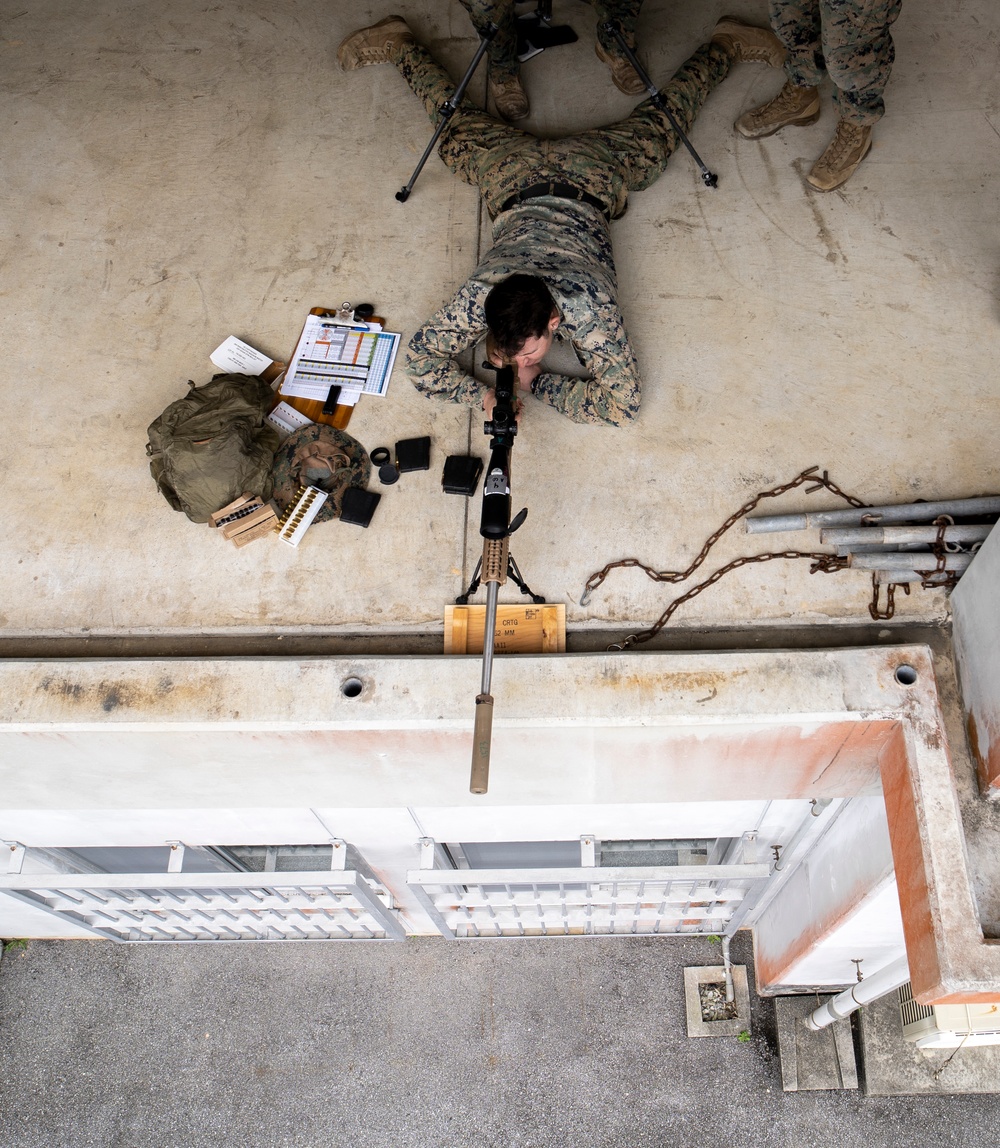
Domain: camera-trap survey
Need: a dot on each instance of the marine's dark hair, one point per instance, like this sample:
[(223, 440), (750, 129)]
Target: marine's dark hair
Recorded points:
[(517, 309)]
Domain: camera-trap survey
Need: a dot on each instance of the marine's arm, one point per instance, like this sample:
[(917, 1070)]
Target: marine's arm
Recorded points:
[(430, 355), (612, 393)]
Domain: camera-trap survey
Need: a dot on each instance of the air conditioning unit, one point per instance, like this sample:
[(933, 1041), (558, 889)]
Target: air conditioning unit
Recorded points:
[(948, 1025)]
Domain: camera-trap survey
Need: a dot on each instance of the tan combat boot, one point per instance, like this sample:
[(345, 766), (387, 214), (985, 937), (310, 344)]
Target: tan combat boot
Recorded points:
[(792, 105), (748, 44), (373, 45), (623, 75), (508, 97), (849, 146)]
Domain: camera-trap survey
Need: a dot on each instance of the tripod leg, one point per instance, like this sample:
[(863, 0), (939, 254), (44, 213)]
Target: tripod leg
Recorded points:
[(449, 107), (535, 32), (514, 574), (710, 179)]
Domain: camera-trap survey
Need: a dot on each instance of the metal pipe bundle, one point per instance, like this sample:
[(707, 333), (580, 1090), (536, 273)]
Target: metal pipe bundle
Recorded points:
[(856, 516), (896, 554)]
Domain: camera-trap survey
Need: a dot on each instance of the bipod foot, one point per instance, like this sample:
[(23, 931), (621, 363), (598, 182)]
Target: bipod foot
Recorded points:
[(514, 574), (463, 599)]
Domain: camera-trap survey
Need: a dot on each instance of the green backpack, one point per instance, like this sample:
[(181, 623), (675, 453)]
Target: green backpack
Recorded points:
[(213, 445)]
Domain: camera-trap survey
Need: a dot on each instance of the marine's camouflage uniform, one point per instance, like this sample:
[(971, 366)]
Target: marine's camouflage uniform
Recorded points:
[(565, 242), (846, 39), (503, 47)]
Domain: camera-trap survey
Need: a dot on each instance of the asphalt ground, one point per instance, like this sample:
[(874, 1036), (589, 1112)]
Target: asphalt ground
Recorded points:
[(424, 1043)]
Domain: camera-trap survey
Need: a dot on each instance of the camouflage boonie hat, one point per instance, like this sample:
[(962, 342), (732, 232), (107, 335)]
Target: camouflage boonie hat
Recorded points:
[(320, 456)]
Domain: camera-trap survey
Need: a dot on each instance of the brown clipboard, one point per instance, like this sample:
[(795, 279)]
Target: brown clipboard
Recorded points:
[(313, 408)]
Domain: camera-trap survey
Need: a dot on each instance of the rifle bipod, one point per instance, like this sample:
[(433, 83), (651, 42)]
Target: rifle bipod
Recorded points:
[(512, 572)]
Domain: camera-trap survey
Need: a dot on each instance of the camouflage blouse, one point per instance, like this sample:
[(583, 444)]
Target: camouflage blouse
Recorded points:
[(567, 244)]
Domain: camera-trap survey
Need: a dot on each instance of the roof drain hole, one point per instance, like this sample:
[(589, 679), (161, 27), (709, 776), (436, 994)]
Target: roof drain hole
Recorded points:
[(906, 675), (352, 687)]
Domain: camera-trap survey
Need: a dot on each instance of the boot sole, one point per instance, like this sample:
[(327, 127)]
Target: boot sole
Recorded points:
[(801, 122)]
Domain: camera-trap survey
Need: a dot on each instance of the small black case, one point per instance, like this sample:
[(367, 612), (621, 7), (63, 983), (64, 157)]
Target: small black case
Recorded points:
[(461, 474), (413, 454), (358, 505)]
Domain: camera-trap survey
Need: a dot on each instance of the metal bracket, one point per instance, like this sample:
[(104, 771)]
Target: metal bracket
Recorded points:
[(16, 858)]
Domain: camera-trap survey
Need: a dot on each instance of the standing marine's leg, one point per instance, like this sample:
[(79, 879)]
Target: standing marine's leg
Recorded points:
[(797, 25), (503, 48), (504, 79), (858, 51), (625, 14), (637, 148), (474, 145)]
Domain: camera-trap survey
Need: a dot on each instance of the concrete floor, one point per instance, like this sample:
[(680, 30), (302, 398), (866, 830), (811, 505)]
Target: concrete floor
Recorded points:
[(177, 174), (428, 1043)]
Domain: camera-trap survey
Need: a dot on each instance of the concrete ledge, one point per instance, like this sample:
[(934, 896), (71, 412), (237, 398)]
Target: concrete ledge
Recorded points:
[(633, 728)]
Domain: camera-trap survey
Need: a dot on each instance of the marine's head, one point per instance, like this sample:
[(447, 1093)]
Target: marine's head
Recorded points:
[(522, 317)]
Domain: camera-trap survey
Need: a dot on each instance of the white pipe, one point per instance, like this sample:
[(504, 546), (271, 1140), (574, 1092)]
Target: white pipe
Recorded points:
[(807, 825), (880, 548), (850, 1000), (727, 962)]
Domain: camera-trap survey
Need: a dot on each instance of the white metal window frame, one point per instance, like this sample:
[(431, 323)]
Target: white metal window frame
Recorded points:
[(173, 906), (587, 901)]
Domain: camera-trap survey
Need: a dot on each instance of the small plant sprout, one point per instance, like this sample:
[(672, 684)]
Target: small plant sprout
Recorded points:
[(743, 1037)]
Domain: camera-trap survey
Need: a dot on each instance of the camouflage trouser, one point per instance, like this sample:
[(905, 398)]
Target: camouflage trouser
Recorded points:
[(846, 39), (606, 162), (503, 49)]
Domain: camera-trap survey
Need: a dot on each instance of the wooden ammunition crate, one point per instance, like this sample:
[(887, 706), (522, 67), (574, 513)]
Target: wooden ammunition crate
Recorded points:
[(519, 629)]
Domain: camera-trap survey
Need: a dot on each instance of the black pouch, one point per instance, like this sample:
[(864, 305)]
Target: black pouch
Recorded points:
[(413, 454), (461, 474), (359, 505)]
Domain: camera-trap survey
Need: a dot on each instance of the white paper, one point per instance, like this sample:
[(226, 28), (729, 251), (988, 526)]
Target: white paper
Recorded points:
[(239, 358)]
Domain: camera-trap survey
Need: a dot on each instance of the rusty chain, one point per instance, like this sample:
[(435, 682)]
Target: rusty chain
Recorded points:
[(937, 579), (809, 475), (880, 615), (825, 563)]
